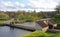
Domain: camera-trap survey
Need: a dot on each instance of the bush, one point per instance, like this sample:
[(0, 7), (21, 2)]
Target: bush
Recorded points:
[(28, 21), (56, 18), (58, 26), (3, 16)]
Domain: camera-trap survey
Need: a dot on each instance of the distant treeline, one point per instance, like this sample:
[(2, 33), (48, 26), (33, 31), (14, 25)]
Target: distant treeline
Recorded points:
[(13, 13), (29, 16)]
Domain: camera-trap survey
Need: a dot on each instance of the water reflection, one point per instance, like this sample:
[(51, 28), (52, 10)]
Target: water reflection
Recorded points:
[(6, 31), (11, 28)]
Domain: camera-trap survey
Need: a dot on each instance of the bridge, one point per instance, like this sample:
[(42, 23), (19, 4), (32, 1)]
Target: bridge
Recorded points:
[(24, 26)]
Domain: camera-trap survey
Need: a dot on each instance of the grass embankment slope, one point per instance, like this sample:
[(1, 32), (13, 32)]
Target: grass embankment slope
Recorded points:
[(42, 34)]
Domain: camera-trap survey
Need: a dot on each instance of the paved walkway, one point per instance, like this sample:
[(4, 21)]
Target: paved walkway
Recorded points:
[(54, 30)]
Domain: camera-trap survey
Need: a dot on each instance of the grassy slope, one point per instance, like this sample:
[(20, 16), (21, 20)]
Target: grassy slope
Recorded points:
[(41, 34)]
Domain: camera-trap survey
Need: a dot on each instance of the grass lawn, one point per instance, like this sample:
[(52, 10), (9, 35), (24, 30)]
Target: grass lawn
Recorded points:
[(1, 22)]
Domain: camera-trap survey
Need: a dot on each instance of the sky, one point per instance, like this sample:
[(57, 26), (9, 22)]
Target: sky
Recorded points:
[(38, 5)]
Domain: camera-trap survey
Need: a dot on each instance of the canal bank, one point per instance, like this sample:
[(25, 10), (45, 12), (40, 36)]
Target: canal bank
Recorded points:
[(13, 26), (18, 27)]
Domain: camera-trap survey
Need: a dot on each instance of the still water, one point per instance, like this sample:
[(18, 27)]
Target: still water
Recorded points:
[(6, 31)]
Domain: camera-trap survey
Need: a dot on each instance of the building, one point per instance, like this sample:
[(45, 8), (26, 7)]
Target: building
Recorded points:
[(52, 24), (38, 25), (43, 25)]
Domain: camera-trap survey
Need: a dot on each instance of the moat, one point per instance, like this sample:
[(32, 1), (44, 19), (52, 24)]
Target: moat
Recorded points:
[(6, 31)]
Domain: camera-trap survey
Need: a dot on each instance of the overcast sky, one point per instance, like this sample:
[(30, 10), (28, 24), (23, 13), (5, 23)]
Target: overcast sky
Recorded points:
[(38, 5)]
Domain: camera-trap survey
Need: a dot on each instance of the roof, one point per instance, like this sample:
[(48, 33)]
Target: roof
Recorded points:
[(52, 21), (42, 24)]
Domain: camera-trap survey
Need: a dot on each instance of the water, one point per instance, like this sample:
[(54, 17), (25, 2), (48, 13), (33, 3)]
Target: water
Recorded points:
[(5, 31)]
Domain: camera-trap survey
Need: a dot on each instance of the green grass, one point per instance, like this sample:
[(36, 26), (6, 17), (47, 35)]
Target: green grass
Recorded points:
[(36, 34), (57, 35), (40, 34), (1, 22)]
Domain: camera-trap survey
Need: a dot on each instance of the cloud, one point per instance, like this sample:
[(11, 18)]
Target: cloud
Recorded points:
[(6, 4), (19, 4), (28, 4), (10, 4), (42, 3)]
